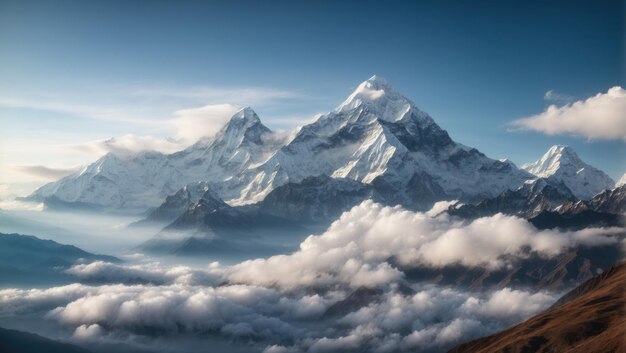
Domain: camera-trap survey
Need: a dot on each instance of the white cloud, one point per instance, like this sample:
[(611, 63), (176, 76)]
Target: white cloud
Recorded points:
[(195, 123), (137, 104), (17, 205), (44, 172), (601, 117), (355, 249), (95, 111), (433, 318), (236, 96), (232, 311), (104, 272), (87, 333), (129, 144), (554, 96), (508, 304)]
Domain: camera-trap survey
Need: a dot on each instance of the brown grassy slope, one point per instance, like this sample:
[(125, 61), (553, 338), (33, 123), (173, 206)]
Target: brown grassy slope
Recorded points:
[(589, 319)]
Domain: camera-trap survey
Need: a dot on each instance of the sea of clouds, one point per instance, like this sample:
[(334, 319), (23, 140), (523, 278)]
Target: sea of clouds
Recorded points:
[(279, 304)]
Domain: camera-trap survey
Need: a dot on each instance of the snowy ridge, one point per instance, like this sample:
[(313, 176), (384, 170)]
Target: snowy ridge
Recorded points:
[(376, 137), (382, 100), (561, 163)]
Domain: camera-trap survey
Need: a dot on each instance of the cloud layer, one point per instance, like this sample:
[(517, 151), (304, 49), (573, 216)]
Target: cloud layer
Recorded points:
[(279, 304), (355, 249), (601, 117), (271, 320)]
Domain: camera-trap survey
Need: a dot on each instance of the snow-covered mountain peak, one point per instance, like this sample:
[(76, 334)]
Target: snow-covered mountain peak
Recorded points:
[(379, 98), (245, 114), (243, 120), (243, 127), (556, 157), (238, 124), (561, 163), (563, 152)]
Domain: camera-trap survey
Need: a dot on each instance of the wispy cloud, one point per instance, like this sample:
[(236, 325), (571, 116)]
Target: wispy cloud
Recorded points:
[(601, 117), (17, 205), (129, 144), (87, 110), (44, 172), (143, 105), (192, 124), (556, 97), (246, 96), (186, 127)]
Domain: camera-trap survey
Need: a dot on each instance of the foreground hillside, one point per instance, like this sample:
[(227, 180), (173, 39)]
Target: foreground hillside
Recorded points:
[(590, 318)]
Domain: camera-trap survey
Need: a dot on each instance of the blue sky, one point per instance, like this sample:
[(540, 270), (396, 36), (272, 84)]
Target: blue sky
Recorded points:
[(74, 72)]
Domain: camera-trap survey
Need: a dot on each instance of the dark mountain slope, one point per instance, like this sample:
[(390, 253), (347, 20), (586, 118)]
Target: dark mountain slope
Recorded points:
[(12, 341), (589, 319), (26, 259)]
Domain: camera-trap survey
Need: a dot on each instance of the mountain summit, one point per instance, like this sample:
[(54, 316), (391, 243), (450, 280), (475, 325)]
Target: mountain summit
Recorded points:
[(561, 163), (379, 97)]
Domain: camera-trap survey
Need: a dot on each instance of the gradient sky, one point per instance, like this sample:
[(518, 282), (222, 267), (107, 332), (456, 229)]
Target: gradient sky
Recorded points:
[(74, 72)]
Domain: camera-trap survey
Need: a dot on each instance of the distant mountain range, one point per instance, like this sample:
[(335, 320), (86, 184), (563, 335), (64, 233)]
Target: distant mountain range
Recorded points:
[(375, 145), (376, 137)]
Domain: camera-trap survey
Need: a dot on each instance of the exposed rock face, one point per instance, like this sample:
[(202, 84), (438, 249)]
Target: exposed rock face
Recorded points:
[(608, 201), (529, 200), (175, 205), (316, 200)]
